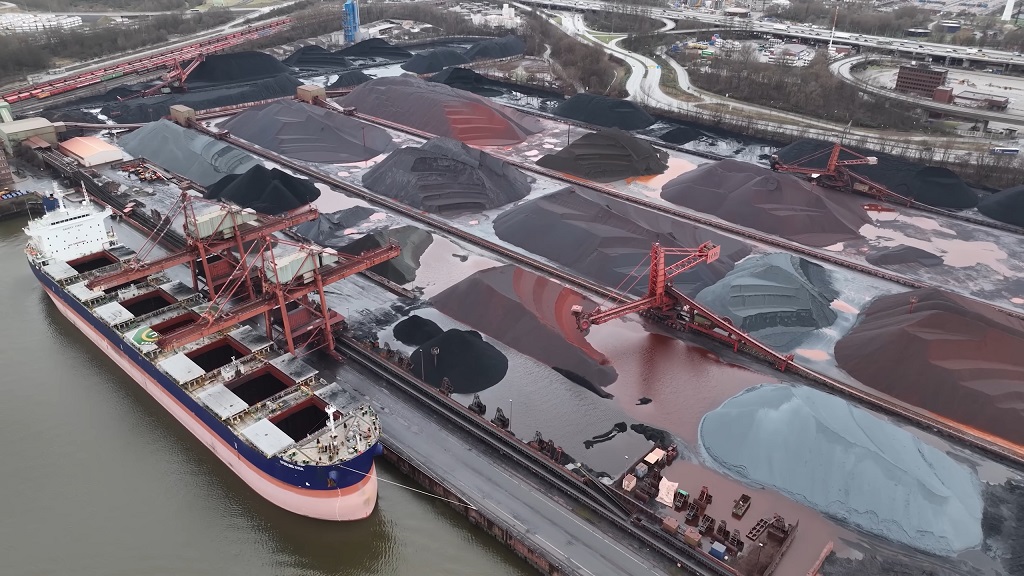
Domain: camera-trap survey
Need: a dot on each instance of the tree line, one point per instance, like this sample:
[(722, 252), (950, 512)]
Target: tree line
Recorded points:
[(584, 64), (860, 17), (107, 5), (626, 19)]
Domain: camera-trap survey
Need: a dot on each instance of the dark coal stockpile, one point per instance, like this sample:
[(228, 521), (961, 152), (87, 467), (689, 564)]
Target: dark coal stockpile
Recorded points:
[(605, 239), (607, 156), (1005, 206), (681, 135), (531, 314), (265, 191), (1003, 522), (195, 156), (955, 357), (445, 176), (309, 133), (153, 108), (496, 48), (401, 269), (314, 57), (235, 68), (904, 254), (930, 185), (349, 79), (774, 203), (330, 229), (435, 60), (72, 115), (441, 110), (465, 79), (375, 48), (778, 297), (416, 331), (470, 364), (604, 111)]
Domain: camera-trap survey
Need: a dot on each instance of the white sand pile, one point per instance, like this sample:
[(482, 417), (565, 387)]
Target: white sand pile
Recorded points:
[(847, 463)]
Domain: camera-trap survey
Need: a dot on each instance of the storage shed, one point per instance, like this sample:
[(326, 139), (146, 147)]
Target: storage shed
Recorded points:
[(90, 151)]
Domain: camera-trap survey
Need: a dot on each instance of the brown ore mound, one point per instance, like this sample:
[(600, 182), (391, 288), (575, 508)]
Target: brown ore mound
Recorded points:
[(952, 356), (528, 313), (777, 204), (441, 110)]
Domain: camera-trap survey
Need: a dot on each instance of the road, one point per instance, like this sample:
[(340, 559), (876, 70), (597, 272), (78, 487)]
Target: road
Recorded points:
[(908, 47)]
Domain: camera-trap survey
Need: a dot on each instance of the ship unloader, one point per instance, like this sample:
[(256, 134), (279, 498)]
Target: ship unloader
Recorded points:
[(222, 355)]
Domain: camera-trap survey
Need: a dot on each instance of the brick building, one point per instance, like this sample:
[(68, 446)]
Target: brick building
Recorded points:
[(920, 80)]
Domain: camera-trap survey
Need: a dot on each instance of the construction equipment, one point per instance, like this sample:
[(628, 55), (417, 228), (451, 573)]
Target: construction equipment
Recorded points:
[(657, 298), (173, 80)]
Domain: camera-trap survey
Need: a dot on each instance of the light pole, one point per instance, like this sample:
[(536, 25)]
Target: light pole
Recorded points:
[(509, 413), (435, 351)]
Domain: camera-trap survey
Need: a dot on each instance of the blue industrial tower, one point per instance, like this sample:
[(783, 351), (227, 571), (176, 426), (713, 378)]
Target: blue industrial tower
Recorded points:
[(350, 24)]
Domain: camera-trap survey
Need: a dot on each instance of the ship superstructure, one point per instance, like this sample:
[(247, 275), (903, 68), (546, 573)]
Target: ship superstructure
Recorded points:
[(222, 354)]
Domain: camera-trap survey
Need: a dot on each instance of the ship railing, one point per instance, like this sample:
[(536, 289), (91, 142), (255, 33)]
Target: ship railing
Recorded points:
[(240, 367), (180, 305), (279, 401), (361, 440), (102, 271)]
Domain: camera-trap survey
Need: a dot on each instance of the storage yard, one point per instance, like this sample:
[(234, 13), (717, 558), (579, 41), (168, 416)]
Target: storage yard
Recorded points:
[(760, 402)]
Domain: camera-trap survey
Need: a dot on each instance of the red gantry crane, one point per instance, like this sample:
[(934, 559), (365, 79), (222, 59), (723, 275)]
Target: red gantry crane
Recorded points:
[(174, 79)]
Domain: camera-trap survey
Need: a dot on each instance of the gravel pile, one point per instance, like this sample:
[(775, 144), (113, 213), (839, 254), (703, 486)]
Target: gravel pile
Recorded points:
[(434, 60), (496, 48), (470, 364), (265, 191), (604, 111), (195, 156), (445, 176), (903, 254), (777, 297), (849, 464), (330, 229), (927, 184), (607, 156), (955, 357), (442, 111), (235, 68), (401, 269), (1005, 206), (375, 48), (468, 80), (349, 79), (314, 57), (604, 239), (777, 204), (309, 133), (531, 314)]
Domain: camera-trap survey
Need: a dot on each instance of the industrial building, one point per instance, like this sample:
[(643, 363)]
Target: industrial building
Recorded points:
[(6, 178), (90, 152), (972, 99), (13, 133), (921, 80)]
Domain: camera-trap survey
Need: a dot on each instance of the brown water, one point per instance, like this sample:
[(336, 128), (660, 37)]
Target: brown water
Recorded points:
[(98, 480)]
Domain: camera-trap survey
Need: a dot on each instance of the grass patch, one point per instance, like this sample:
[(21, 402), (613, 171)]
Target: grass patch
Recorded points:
[(670, 83)]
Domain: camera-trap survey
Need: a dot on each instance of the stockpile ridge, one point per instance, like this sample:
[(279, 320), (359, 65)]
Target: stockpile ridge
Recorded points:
[(266, 191), (777, 204), (1005, 206), (604, 111), (435, 60), (604, 239), (442, 111), (956, 357), (496, 48), (314, 57), (445, 176), (465, 79), (375, 48), (349, 79), (195, 156), (332, 230), (402, 269), (607, 156), (309, 133), (235, 68)]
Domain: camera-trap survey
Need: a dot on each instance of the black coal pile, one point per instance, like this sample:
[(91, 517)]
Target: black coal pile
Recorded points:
[(607, 156), (496, 48), (330, 229), (349, 79), (153, 108), (195, 156), (401, 269), (445, 176), (314, 57), (441, 110), (309, 133), (778, 204), (434, 60), (470, 364), (604, 111), (531, 314), (265, 191), (681, 135), (605, 239), (468, 80), (375, 48), (656, 435), (930, 185), (904, 254), (72, 115), (236, 68), (1005, 206), (416, 331)]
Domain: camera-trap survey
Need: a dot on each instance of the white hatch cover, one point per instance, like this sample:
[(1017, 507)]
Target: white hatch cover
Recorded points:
[(266, 436), (113, 313), (181, 368), (222, 401)]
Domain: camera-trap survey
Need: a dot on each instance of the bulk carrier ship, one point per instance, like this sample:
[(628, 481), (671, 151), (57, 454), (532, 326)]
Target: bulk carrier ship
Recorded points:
[(220, 354)]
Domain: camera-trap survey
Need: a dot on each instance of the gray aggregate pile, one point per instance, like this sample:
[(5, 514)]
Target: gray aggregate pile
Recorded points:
[(309, 133), (329, 229), (434, 60), (777, 297), (607, 156), (441, 110), (604, 111), (234, 68), (604, 239), (186, 152), (904, 254), (349, 79), (468, 80), (447, 177), (1006, 206), (314, 57), (266, 191), (375, 48), (496, 48), (777, 204), (401, 269)]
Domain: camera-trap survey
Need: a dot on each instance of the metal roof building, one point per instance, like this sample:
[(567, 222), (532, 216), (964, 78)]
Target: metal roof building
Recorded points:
[(90, 151)]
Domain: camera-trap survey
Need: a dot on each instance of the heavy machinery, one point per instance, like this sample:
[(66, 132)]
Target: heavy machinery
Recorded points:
[(174, 80), (657, 298)]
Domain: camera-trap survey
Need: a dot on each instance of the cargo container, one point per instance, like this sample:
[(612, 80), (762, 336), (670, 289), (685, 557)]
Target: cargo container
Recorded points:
[(670, 525), (692, 537), (718, 551), (641, 470)]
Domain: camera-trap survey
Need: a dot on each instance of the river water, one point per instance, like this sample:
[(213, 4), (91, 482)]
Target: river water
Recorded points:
[(98, 480)]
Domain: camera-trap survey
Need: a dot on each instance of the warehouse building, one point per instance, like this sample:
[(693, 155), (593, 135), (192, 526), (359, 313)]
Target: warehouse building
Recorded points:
[(91, 152), (16, 132)]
